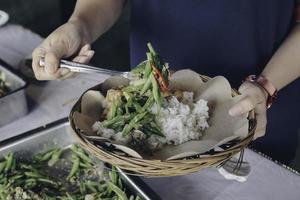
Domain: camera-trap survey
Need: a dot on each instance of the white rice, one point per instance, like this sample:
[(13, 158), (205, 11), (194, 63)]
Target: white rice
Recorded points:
[(109, 133), (180, 122)]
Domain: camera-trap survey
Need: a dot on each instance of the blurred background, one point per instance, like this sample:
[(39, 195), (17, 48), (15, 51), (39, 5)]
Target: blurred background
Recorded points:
[(42, 17), (112, 49)]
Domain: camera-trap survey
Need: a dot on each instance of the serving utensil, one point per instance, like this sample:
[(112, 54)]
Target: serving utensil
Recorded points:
[(83, 68)]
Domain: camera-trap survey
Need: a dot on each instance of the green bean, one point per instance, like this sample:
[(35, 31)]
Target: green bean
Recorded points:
[(146, 86), (127, 95), (9, 162), (113, 110), (45, 156), (108, 123), (82, 188), (128, 127), (2, 166), (153, 130), (120, 111), (69, 196), (126, 108), (155, 91), (30, 183), (151, 48), (137, 106), (33, 175), (121, 194), (148, 68), (81, 154), (120, 183), (113, 175), (55, 157), (148, 103), (44, 180), (75, 166), (14, 165), (91, 186), (131, 88)]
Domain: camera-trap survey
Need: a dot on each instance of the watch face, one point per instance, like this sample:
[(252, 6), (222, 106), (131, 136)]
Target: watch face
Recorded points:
[(3, 18)]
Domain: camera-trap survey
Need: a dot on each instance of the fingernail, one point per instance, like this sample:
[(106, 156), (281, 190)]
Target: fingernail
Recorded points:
[(64, 71), (86, 47), (90, 53)]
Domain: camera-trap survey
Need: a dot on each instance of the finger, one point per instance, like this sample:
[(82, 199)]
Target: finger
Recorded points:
[(243, 87), (51, 62), (84, 49), (37, 54), (84, 58), (261, 118), (53, 55), (65, 73), (242, 107), (67, 76)]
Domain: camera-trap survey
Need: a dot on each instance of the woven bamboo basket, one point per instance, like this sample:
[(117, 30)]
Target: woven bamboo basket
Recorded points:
[(162, 168)]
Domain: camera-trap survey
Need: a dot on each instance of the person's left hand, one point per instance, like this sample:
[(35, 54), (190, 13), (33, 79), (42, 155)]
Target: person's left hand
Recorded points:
[(254, 97)]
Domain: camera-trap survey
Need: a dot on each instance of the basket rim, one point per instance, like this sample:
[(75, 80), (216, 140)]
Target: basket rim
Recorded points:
[(238, 146)]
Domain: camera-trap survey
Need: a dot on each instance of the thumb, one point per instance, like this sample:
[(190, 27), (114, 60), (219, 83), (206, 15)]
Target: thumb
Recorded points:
[(53, 56), (243, 106)]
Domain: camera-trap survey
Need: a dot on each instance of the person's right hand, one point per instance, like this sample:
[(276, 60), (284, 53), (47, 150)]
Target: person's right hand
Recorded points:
[(65, 41)]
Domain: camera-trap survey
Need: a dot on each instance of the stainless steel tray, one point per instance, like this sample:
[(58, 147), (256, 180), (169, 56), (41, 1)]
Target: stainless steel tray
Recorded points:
[(13, 105), (58, 134)]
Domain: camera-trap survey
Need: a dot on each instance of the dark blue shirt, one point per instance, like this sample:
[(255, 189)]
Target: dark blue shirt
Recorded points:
[(233, 38)]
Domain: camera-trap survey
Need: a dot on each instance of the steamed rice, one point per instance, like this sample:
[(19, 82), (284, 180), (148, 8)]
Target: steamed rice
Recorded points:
[(179, 121)]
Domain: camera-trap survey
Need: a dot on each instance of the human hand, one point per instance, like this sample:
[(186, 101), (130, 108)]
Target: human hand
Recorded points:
[(254, 98), (65, 41)]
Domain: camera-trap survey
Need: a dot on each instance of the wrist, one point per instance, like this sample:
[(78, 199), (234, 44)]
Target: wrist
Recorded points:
[(82, 28), (270, 91)]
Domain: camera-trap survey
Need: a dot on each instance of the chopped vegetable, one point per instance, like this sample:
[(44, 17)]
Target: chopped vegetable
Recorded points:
[(129, 107), (4, 86), (31, 179)]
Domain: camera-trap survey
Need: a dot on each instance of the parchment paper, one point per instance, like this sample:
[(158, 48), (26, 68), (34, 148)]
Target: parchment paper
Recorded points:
[(217, 91)]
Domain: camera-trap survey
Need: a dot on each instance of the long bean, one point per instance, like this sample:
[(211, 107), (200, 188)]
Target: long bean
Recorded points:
[(2, 166), (9, 162), (81, 154), (155, 91), (128, 127), (75, 167), (55, 157), (32, 177), (113, 110), (146, 86), (121, 194)]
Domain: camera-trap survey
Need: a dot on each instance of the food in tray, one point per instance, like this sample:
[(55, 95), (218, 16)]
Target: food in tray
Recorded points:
[(50, 175), (4, 86), (147, 114)]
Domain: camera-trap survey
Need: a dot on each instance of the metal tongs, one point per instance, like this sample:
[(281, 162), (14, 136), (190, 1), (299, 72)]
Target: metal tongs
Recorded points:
[(83, 68)]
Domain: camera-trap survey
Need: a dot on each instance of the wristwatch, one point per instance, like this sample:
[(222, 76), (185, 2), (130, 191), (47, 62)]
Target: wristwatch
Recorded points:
[(266, 85)]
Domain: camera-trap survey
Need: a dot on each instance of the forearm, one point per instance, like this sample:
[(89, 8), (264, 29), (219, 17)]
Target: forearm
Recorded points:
[(284, 66), (94, 17)]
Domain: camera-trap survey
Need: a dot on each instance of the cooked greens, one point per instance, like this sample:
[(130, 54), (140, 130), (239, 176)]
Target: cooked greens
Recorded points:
[(129, 107), (33, 179), (3, 84)]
